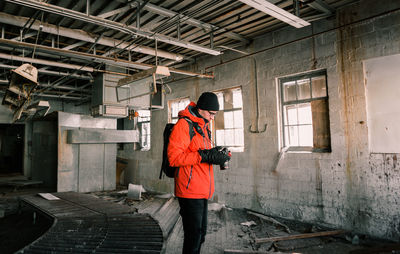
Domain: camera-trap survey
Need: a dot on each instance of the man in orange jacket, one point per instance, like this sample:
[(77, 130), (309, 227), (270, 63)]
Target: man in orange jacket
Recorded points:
[(194, 180)]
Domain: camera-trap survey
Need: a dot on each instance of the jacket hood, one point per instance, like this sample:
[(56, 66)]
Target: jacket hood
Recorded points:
[(189, 113)]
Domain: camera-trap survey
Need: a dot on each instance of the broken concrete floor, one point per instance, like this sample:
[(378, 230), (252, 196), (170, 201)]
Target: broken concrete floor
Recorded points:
[(229, 230), (236, 230)]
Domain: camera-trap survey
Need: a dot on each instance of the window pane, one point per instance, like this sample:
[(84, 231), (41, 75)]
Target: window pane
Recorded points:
[(175, 106), (293, 136), (145, 136), (238, 119), (304, 114), (229, 137), (291, 115), (287, 144), (228, 120), (303, 89), (229, 132), (144, 115), (239, 139), (220, 140), (237, 98), (220, 100), (174, 110), (306, 135), (289, 91), (182, 104), (318, 87), (305, 121)]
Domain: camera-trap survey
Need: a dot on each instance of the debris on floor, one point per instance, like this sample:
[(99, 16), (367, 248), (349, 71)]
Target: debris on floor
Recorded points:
[(231, 230)]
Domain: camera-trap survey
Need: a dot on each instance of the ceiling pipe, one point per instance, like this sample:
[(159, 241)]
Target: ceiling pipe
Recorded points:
[(57, 96), (73, 89), (85, 56), (84, 36), (52, 73), (45, 62), (112, 25)]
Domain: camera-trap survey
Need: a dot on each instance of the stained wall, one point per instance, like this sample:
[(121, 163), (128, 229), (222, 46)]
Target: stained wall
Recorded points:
[(348, 188)]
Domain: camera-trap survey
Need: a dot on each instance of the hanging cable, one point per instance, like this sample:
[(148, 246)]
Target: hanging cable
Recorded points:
[(37, 37), (156, 54)]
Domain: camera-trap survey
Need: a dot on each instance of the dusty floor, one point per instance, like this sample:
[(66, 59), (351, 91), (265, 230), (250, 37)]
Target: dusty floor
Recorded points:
[(229, 230)]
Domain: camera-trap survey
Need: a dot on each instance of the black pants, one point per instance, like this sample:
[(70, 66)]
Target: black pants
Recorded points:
[(194, 220)]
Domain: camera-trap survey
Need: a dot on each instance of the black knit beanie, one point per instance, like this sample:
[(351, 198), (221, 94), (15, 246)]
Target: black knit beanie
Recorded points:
[(208, 101)]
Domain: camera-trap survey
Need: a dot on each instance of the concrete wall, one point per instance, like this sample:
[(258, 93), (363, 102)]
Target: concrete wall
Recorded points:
[(348, 188), (28, 139)]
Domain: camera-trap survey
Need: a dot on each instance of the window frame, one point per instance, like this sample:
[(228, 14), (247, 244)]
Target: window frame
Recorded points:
[(170, 102), (140, 124), (234, 148), (283, 104)]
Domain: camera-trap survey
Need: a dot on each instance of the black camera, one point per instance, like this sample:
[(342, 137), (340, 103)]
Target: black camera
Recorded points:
[(226, 163)]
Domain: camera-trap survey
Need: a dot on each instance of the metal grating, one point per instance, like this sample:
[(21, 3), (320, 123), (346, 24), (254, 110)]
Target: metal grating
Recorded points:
[(85, 224)]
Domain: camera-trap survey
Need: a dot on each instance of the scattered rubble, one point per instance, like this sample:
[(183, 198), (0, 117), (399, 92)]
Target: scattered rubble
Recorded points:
[(245, 231)]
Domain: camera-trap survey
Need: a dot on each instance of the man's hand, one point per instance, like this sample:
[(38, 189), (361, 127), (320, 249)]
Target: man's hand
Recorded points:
[(214, 156)]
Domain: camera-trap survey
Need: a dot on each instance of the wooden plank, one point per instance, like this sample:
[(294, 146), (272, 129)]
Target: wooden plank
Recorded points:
[(299, 236)]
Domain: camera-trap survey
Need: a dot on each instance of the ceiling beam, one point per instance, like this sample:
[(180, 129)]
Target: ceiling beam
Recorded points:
[(321, 6), (25, 36), (116, 11), (112, 25), (84, 36), (191, 21), (276, 12)]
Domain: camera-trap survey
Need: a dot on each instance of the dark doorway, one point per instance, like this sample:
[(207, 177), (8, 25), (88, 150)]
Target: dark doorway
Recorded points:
[(11, 148)]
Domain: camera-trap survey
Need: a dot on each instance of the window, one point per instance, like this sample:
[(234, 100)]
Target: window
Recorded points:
[(228, 123), (174, 107), (144, 128), (305, 112)]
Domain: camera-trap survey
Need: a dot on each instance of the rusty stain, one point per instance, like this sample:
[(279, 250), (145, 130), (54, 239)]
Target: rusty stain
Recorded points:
[(345, 87), (394, 160)]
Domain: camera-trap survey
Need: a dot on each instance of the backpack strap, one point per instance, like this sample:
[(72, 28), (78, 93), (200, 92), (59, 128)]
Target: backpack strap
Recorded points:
[(192, 127)]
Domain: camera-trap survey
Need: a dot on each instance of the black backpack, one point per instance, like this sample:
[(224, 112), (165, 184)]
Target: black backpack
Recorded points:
[(165, 167)]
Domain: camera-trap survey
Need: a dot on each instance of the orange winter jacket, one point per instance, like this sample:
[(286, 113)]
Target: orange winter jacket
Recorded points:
[(193, 179)]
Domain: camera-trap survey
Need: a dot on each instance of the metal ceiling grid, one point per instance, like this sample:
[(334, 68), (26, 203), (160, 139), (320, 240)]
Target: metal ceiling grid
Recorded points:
[(71, 41)]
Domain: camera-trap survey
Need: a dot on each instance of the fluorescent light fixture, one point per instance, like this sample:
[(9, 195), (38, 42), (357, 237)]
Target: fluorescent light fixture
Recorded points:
[(276, 12)]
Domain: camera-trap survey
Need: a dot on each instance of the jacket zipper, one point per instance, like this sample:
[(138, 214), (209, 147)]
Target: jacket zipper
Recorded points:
[(190, 177), (209, 166)]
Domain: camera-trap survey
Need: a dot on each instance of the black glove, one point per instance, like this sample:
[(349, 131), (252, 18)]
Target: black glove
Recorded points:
[(214, 156)]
